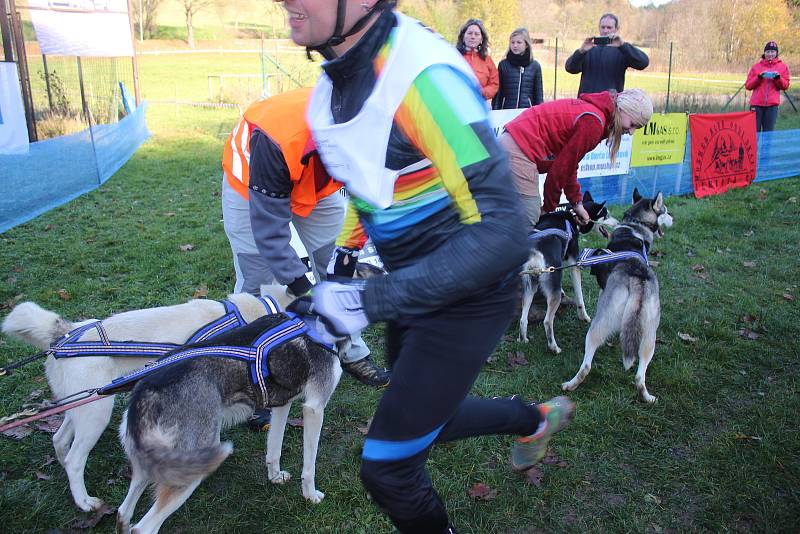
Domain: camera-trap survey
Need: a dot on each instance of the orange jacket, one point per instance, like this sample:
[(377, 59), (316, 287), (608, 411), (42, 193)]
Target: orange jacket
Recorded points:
[(282, 118), (486, 73)]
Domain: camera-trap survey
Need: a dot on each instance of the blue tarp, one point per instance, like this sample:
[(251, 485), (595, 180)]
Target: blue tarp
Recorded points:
[(57, 170), (778, 157)]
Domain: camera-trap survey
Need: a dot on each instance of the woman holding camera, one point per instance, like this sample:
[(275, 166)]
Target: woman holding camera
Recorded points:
[(767, 79), (520, 75)]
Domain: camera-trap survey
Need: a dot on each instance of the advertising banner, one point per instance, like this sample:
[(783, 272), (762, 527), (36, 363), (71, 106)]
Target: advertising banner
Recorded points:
[(13, 129), (724, 151), (85, 28), (662, 141)]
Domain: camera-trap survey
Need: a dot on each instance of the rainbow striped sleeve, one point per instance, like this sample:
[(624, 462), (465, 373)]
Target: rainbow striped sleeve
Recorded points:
[(352, 235), (438, 115)]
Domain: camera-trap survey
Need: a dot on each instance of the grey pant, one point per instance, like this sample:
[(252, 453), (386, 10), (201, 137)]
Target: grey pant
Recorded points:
[(317, 232), (525, 176)]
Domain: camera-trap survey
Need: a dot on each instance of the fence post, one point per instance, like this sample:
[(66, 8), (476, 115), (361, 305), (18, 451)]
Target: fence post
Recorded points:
[(47, 81), (88, 115), (22, 66), (5, 29), (134, 62), (264, 88), (555, 71), (669, 79)]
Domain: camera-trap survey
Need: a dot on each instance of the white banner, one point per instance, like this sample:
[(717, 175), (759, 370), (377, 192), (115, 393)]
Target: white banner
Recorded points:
[(595, 163), (13, 129), (82, 27)]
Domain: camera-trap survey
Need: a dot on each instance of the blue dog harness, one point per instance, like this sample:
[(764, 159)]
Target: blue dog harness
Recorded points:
[(595, 256), (256, 355), (563, 234), (68, 345)]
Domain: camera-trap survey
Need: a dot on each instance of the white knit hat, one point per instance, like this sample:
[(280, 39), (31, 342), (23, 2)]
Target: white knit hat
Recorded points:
[(636, 104)]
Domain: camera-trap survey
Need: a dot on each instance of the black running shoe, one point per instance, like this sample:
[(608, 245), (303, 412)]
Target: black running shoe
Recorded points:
[(366, 372), (259, 421)]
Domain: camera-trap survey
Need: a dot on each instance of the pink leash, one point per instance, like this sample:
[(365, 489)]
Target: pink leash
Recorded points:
[(51, 411)]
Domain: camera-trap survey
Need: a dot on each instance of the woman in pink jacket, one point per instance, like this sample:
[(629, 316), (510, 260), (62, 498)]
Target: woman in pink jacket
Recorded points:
[(767, 79)]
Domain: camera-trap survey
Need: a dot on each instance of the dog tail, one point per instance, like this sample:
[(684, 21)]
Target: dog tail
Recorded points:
[(172, 467), (631, 334), (31, 323)]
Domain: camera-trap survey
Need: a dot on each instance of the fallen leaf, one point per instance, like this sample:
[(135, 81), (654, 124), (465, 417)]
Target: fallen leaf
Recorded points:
[(762, 194), (33, 395), (657, 253), (17, 269), (793, 200), (50, 424), (570, 519), (18, 432), (706, 322), (691, 253), (687, 337), (653, 263), (201, 292), (788, 296), (169, 214), (533, 476), (698, 268), (11, 280), (702, 276), (42, 476), (91, 522), (745, 437), (491, 359), (679, 301), (64, 294), (652, 499), (187, 247), (49, 460), (295, 422), (748, 319), (551, 459), (517, 359), (750, 264), (48, 227), (749, 233), (365, 428), (482, 492), (748, 334), (111, 481)]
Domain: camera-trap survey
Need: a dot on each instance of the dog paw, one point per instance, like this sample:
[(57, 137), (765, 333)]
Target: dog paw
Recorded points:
[(583, 316), (281, 477), (123, 527), (522, 339), (650, 399), (554, 348), (90, 504), (314, 496)]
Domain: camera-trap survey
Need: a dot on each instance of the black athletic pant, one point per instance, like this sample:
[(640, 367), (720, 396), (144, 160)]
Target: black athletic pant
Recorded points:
[(435, 359), (766, 117)]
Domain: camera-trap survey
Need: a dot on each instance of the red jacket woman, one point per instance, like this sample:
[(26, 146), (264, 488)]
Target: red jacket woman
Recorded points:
[(767, 79), (553, 138)]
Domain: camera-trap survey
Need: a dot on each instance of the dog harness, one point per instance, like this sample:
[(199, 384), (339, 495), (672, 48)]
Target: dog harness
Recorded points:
[(68, 345), (595, 256), (563, 234), (256, 355)]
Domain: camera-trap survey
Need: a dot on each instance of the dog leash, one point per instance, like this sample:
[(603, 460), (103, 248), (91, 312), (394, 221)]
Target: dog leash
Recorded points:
[(7, 370), (587, 258), (61, 405)]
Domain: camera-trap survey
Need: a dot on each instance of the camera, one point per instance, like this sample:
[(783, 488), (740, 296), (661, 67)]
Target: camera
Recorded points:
[(601, 41)]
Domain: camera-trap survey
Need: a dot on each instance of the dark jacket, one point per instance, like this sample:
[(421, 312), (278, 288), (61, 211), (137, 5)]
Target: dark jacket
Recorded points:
[(439, 259), (603, 67), (520, 87)]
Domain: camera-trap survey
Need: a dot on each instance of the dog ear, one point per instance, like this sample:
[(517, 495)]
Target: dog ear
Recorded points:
[(587, 197), (636, 196), (658, 203)]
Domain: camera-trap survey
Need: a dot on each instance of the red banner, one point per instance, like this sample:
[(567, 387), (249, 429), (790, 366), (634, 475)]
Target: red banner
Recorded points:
[(724, 151)]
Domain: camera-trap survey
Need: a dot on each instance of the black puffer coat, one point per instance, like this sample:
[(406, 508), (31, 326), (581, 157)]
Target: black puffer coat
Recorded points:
[(520, 87)]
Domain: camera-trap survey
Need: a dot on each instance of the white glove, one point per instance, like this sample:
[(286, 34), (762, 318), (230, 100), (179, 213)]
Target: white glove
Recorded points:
[(340, 307)]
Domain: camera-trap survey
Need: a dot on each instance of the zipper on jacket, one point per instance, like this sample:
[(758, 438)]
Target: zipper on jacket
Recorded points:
[(519, 85)]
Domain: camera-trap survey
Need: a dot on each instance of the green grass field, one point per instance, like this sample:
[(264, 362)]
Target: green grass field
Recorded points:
[(720, 451)]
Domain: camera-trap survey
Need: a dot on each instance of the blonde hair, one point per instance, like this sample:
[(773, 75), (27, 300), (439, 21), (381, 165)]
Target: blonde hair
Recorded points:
[(522, 32), (614, 137)]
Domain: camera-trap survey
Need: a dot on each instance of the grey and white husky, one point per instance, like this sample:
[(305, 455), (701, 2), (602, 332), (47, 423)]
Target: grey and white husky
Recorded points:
[(83, 426), (171, 429), (629, 301)]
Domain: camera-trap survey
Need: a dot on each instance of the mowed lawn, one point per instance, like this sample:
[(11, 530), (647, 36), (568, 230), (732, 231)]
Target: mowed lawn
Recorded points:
[(720, 451)]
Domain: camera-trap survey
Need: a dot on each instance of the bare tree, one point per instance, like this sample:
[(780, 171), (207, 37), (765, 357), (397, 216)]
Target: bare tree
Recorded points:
[(144, 16), (190, 9)]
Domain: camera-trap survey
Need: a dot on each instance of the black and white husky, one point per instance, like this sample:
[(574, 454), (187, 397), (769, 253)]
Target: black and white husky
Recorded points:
[(553, 242), (83, 425), (171, 429), (629, 301)]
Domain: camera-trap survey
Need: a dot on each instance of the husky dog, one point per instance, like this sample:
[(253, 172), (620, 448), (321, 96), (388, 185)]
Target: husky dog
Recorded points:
[(83, 425), (553, 241), (171, 429), (629, 301)]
